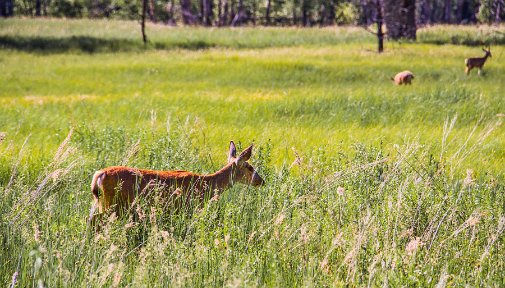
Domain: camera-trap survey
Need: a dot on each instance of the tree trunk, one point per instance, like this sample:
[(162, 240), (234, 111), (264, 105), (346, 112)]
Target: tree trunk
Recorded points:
[(425, 13), (201, 12), (458, 16), (143, 21), (6, 8), (170, 13), (44, 7), (295, 18), (233, 13), (447, 11), (206, 10), (267, 13), (3, 10), (187, 17), (226, 9), (400, 19), (305, 13), (434, 9), (254, 12), (238, 19), (38, 6), (410, 27), (322, 14), (499, 7), (380, 33), (327, 13), (151, 11)]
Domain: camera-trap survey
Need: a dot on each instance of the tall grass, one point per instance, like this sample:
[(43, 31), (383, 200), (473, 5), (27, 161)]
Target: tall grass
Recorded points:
[(399, 219), (368, 184)]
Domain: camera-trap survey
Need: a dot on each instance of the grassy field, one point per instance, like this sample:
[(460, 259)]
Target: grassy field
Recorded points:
[(367, 183)]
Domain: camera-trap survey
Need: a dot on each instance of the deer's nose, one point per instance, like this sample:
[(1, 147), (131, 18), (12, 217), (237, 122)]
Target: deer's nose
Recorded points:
[(257, 180)]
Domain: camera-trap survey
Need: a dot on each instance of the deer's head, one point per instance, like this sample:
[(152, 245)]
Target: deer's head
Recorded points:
[(243, 171), (488, 52)]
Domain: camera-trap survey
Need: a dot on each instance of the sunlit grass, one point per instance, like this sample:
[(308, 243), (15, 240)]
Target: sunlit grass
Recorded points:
[(325, 95)]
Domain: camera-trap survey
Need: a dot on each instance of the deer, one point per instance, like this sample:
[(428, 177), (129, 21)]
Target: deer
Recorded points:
[(116, 188), (404, 77), (477, 62)]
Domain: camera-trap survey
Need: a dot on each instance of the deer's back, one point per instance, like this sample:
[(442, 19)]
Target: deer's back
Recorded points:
[(141, 178), (475, 62)]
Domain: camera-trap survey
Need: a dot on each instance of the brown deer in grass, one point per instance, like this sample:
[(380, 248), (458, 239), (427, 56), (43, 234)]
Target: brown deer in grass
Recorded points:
[(477, 62), (404, 77), (118, 187)]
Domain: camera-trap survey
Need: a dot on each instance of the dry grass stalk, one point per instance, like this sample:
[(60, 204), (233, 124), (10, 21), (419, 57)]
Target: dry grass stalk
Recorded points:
[(470, 178), (14, 279), (495, 236), (298, 159), (304, 235), (459, 156), (279, 219), (442, 281), (414, 245), (351, 259), (36, 233), (472, 221), (337, 241), (16, 165), (53, 172), (132, 151), (445, 134)]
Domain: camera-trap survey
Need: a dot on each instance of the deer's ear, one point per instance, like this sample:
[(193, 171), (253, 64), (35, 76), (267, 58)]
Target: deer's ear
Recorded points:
[(232, 153), (245, 155)]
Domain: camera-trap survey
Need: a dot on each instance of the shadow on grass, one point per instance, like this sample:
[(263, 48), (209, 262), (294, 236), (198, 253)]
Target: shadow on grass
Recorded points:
[(89, 44)]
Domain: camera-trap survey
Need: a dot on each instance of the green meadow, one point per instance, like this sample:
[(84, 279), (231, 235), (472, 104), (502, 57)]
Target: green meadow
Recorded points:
[(368, 183)]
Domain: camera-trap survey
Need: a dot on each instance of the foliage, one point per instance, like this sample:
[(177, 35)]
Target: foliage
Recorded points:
[(254, 12), (67, 8), (347, 14), (485, 13)]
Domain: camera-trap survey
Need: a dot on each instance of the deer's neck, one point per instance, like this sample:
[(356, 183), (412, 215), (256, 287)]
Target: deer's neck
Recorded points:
[(221, 180)]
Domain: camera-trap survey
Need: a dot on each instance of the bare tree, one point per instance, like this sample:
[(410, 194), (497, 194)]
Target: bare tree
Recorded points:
[(143, 21), (379, 19)]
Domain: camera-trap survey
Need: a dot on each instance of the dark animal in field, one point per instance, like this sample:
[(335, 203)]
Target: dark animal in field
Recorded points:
[(477, 62)]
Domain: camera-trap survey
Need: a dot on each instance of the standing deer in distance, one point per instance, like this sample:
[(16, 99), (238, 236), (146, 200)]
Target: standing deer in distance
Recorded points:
[(477, 62), (117, 187)]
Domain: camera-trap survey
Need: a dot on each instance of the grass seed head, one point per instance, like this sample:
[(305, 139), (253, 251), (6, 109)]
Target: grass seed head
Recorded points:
[(470, 178), (414, 245), (280, 219)]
